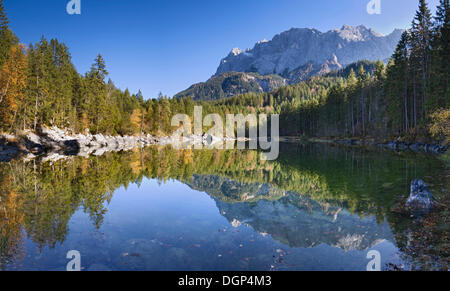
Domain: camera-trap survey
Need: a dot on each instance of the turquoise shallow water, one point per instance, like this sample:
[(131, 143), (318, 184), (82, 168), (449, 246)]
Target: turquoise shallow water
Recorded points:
[(313, 209)]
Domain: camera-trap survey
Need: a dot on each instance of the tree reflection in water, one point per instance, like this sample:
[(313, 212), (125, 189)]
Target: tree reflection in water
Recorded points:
[(306, 197)]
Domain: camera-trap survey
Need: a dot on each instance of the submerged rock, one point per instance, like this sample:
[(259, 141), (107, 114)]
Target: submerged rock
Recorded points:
[(416, 147), (7, 153), (421, 197)]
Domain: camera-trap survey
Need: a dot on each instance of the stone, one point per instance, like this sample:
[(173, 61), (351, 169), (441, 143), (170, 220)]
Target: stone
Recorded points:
[(8, 151), (415, 147), (420, 197), (57, 143)]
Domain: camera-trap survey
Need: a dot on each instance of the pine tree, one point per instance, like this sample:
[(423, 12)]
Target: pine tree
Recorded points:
[(3, 18), (380, 71), (7, 38), (397, 84), (352, 82), (421, 33), (440, 95), (361, 87), (96, 104)]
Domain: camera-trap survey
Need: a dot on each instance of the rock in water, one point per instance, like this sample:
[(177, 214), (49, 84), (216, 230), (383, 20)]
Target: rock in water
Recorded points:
[(420, 197)]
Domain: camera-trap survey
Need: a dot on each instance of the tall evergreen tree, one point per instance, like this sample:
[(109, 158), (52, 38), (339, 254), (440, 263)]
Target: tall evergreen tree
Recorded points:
[(7, 37), (421, 33), (440, 95), (3, 18), (97, 105), (397, 84)]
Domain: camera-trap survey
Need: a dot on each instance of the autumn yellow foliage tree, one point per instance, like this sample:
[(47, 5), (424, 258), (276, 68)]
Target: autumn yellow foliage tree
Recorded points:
[(13, 75), (136, 119), (11, 222), (440, 125)]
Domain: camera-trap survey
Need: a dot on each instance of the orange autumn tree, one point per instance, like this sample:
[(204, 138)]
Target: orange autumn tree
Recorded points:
[(136, 119), (13, 75), (11, 222)]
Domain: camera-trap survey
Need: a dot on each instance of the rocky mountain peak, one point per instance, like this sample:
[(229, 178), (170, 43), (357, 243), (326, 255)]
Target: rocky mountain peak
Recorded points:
[(297, 47), (236, 51), (292, 57), (357, 33)]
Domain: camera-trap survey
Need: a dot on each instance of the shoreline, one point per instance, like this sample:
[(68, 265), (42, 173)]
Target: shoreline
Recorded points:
[(56, 144), (398, 146)]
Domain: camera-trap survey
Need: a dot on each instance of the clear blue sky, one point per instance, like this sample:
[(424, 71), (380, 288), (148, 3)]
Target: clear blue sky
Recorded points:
[(167, 45)]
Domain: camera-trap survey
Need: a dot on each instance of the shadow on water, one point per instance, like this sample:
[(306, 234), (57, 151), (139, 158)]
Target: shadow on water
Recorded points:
[(312, 195)]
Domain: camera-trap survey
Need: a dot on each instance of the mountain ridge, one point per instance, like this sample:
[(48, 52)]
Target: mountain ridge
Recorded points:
[(230, 84), (296, 47), (291, 57)]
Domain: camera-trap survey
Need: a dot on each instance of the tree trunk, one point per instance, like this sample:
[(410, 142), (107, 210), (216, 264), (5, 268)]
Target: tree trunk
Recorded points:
[(36, 105)]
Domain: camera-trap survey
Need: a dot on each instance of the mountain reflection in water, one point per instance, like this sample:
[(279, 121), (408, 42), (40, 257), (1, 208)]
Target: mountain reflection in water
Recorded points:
[(316, 207)]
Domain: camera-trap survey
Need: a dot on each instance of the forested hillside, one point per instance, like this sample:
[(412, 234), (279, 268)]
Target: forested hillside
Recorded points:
[(409, 97), (232, 83), (39, 86)]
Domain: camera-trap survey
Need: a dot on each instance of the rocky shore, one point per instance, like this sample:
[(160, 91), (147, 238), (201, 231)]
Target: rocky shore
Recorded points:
[(416, 147), (55, 143), (432, 148)]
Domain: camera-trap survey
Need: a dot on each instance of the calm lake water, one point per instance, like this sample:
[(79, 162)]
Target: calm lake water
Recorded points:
[(315, 208)]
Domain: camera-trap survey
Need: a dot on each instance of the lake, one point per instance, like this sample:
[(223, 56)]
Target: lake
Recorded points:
[(316, 207)]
